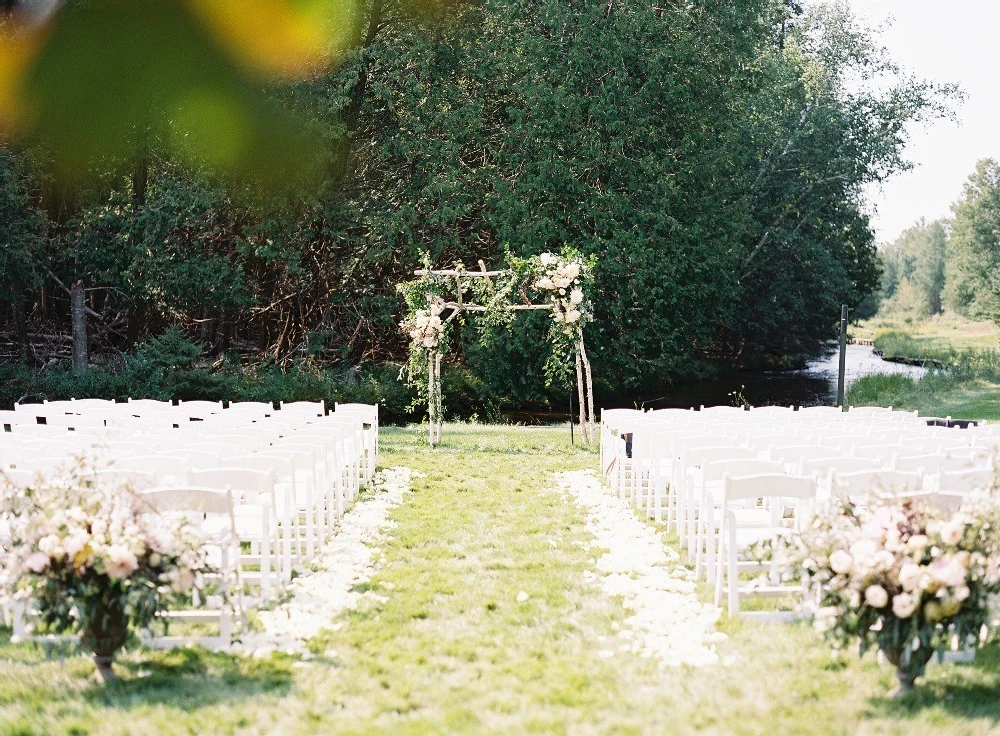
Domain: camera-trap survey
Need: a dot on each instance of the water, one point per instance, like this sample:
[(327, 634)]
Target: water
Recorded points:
[(815, 384)]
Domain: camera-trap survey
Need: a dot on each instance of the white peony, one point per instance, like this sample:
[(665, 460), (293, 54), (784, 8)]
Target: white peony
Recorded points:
[(948, 571), (883, 560), (841, 562), (576, 297), (876, 596), (75, 542), (917, 543), (545, 283), (37, 562), (51, 546), (548, 259), (572, 270), (181, 580), (863, 551), (162, 541), (909, 575), (903, 605), (952, 532), (572, 315), (119, 561)]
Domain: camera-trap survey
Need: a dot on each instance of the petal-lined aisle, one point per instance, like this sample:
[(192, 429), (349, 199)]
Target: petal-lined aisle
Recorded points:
[(666, 620), (349, 559)]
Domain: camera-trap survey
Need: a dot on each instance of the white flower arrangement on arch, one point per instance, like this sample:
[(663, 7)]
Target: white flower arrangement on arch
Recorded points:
[(425, 326), (562, 280)]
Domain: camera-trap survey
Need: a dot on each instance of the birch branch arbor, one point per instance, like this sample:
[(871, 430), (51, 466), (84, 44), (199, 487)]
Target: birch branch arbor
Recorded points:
[(438, 297)]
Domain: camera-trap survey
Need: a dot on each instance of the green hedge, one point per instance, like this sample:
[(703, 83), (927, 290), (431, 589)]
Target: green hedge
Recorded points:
[(173, 367)]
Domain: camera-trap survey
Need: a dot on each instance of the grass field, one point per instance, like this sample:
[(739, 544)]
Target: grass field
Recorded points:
[(944, 332), (450, 650), (970, 388)]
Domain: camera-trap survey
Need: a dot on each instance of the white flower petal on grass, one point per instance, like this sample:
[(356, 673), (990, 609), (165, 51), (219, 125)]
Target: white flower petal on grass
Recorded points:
[(665, 618), (350, 558), (522, 597)]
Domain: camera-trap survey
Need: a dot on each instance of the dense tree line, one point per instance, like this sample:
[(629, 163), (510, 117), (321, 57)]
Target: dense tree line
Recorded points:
[(710, 154), (952, 263), (913, 274)]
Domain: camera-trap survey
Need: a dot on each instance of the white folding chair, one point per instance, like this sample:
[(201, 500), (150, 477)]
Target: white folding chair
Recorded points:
[(282, 471), (137, 480), (368, 413), (742, 526), (302, 463), (709, 503), (212, 509), (254, 509), (865, 484), (965, 482)]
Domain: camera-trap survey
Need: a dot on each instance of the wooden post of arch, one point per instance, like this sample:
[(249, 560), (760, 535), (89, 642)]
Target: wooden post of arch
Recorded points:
[(585, 392)]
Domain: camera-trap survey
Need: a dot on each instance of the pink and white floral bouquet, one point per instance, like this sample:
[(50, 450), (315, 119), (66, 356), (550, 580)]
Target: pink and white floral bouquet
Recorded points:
[(903, 577), (97, 561), (425, 326)]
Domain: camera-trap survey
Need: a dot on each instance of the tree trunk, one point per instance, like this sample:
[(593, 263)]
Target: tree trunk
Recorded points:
[(136, 320), (222, 334), (78, 306)]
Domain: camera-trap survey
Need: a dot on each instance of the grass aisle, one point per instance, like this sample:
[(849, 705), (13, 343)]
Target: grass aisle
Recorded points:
[(445, 646)]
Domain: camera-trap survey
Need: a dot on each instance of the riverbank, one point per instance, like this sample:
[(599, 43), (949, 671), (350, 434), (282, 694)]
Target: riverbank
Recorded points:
[(965, 382)]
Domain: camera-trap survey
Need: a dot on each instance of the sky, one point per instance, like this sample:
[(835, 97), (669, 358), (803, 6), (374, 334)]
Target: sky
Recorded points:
[(943, 42)]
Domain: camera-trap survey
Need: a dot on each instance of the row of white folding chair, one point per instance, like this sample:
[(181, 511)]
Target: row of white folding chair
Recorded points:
[(614, 461), (368, 414), (694, 455), (8, 418), (350, 426), (684, 457), (344, 439), (654, 468), (257, 522)]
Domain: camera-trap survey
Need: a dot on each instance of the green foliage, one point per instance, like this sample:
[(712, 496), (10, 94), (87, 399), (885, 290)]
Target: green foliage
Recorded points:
[(973, 269), (913, 277), (709, 156)]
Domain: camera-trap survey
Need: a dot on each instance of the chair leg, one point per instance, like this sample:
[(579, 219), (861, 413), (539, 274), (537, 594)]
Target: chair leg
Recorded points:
[(734, 575)]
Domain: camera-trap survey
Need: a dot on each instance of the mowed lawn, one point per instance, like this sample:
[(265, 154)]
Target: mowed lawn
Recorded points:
[(447, 648)]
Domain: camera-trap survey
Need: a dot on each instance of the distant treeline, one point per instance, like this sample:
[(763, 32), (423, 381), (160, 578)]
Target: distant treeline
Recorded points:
[(951, 263), (710, 154)]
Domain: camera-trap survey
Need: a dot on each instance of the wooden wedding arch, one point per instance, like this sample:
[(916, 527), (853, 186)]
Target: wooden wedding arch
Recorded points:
[(505, 291)]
